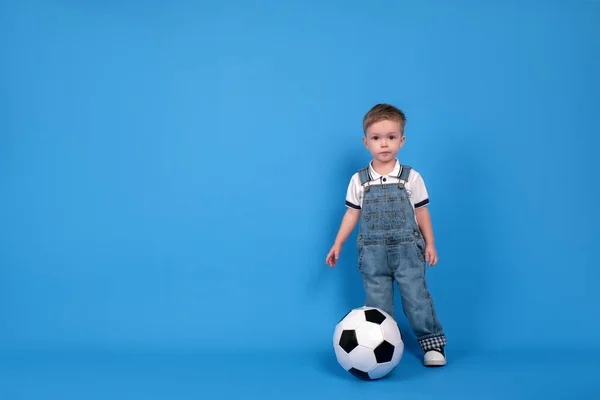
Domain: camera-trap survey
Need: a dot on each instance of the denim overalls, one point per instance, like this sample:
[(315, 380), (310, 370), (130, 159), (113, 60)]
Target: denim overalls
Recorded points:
[(391, 248)]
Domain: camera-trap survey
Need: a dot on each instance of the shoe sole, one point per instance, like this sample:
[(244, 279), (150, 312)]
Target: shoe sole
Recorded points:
[(434, 363)]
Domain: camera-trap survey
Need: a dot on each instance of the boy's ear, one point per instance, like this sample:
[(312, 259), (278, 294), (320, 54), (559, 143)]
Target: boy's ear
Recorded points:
[(364, 140)]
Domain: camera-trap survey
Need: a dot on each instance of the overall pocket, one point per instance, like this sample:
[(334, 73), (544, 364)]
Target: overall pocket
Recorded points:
[(419, 246), (360, 246)]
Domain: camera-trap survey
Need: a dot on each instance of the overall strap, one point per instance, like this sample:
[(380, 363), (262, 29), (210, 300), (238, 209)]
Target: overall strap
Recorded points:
[(364, 175), (403, 175)]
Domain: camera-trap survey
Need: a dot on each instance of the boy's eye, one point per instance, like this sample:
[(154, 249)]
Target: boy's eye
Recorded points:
[(375, 137), (392, 137)]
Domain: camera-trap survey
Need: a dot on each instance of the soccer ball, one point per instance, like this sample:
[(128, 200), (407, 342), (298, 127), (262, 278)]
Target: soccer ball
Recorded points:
[(368, 343)]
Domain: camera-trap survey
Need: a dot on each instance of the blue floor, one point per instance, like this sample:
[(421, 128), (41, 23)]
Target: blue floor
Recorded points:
[(316, 375)]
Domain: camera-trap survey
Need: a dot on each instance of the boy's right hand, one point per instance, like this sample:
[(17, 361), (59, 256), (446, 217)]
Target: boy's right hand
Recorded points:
[(333, 255)]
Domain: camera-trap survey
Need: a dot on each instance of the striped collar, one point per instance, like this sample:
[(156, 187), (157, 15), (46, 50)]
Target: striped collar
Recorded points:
[(373, 175)]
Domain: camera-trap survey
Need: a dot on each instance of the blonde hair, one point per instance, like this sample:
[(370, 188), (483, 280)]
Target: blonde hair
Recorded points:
[(381, 112)]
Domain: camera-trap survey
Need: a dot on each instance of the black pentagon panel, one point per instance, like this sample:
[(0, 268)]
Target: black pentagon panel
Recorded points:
[(348, 340), (374, 316), (359, 374), (384, 352)]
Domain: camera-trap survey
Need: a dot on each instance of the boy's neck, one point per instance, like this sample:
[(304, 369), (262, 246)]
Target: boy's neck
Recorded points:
[(383, 168)]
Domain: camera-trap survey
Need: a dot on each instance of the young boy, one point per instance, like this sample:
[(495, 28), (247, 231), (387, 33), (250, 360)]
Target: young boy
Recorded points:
[(395, 240)]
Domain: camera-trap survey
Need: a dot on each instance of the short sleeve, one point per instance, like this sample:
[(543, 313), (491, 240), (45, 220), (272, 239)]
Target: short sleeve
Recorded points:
[(354, 193), (419, 195)]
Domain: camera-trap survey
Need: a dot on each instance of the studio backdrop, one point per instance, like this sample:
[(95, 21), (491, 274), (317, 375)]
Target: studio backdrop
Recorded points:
[(173, 175)]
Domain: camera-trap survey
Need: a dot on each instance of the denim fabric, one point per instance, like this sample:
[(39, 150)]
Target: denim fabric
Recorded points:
[(391, 249)]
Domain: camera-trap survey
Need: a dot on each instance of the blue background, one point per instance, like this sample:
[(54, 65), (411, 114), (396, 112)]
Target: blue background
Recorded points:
[(173, 176)]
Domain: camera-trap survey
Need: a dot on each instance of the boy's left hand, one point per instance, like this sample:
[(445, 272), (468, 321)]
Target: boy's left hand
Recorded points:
[(431, 255)]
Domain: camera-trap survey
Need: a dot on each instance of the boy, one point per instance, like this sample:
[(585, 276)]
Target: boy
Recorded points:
[(395, 239)]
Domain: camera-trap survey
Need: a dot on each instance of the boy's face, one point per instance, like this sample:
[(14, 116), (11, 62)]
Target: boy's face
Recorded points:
[(384, 139)]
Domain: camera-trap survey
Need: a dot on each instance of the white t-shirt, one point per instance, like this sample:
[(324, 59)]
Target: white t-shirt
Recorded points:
[(415, 186)]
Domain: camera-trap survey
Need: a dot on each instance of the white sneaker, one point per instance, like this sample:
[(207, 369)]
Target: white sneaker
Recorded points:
[(435, 358)]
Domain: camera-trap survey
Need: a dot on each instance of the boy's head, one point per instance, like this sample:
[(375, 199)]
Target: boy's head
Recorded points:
[(383, 127)]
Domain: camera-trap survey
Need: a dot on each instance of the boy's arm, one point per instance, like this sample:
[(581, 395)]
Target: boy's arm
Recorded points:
[(424, 221), (348, 223)]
